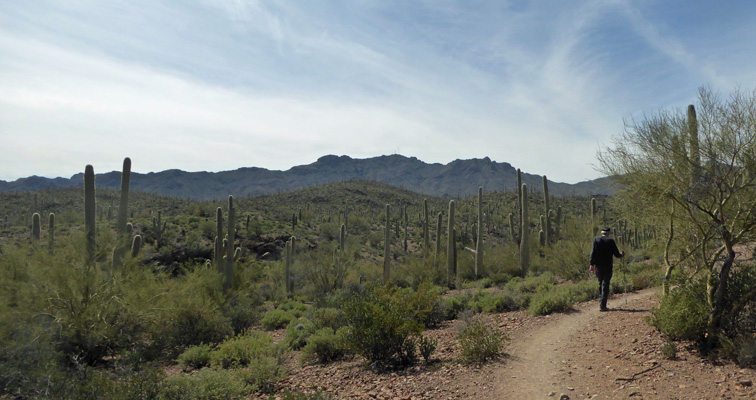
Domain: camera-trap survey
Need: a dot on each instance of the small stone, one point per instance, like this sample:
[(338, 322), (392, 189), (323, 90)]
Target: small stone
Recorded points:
[(552, 394), (633, 394), (746, 383), (564, 396)]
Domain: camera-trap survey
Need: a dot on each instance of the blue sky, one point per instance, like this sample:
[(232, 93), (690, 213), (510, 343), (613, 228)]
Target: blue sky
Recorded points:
[(222, 84)]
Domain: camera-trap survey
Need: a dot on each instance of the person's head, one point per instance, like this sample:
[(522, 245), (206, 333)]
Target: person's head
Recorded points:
[(606, 231)]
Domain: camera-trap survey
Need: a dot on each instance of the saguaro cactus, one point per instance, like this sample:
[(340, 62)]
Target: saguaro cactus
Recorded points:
[(124, 207), (51, 234), (219, 240), (451, 270), (136, 245), (425, 227), (90, 212), (439, 222), (158, 227), (342, 237), (387, 247), (512, 227), (479, 244), (594, 227), (519, 202), (524, 233), (232, 254), (695, 156), (289, 255), (36, 227), (546, 210)]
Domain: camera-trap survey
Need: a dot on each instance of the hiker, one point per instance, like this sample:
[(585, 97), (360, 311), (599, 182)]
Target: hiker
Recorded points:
[(602, 253)]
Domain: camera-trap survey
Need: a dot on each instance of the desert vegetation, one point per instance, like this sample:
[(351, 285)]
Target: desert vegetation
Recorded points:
[(125, 294)]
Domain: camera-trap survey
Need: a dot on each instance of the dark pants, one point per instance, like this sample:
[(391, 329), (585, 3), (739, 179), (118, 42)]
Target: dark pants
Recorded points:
[(604, 275)]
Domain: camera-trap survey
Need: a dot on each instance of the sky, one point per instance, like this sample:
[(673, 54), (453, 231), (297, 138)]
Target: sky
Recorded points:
[(213, 85)]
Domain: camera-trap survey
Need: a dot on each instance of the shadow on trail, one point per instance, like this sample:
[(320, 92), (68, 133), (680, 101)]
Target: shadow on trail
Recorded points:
[(628, 310)]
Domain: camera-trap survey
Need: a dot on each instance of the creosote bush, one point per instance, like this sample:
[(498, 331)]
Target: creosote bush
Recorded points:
[(480, 342), (383, 326)]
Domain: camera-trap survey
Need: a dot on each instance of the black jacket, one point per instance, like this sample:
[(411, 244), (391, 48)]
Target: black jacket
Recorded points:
[(603, 249)]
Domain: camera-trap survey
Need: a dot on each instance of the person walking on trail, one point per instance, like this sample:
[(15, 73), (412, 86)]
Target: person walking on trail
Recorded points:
[(602, 262)]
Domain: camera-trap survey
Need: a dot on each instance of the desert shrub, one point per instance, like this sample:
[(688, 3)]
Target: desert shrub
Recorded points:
[(549, 301), (382, 325), (194, 324), (325, 345), (488, 302), (209, 384), (195, 357), (240, 350), (427, 347), (243, 312), (479, 342), (297, 333), (277, 319), (423, 304), (452, 306), (326, 317), (683, 314)]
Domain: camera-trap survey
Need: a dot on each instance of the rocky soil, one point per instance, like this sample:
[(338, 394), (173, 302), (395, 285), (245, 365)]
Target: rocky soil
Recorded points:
[(581, 354)]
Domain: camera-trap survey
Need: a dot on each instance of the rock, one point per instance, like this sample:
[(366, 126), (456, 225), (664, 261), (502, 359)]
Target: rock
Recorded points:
[(745, 383), (564, 396)]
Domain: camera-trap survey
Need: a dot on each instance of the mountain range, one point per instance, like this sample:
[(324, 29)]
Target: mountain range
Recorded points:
[(459, 178)]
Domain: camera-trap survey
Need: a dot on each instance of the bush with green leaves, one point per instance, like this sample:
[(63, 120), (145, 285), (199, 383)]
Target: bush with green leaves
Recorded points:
[(195, 357), (683, 314), (480, 342), (325, 345), (382, 326), (427, 347), (209, 384), (239, 351), (276, 319), (298, 332)]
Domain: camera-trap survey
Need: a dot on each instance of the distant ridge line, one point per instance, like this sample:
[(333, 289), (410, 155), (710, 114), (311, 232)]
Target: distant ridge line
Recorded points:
[(459, 178)]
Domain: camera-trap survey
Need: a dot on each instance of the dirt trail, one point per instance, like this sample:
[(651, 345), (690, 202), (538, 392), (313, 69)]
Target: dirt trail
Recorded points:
[(538, 356)]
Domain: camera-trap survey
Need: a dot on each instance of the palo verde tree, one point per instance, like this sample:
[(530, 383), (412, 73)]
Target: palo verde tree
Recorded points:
[(700, 166)]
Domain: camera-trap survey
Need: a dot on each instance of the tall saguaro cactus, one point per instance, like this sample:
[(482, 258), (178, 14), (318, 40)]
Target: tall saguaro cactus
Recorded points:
[(158, 227), (51, 234), (524, 233), (387, 247), (90, 212), (519, 202), (36, 227), (232, 253), (439, 222), (124, 207), (451, 270), (547, 209), (479, 244), (695, 156), (594, 210), (425, 227)]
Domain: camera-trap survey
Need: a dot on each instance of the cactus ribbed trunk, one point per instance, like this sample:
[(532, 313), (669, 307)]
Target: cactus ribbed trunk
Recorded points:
[(524, 233), (451, 270), (51, 234), (387, 247), (512, 227), (36, 227), (594, 227), (425, 227), (136, 245), (342, 237), (695, 156), (547, 210), (124, 207), (230, 253), (219, 240), (439, 223), (519, 204), (479, 244), (90, 212)]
